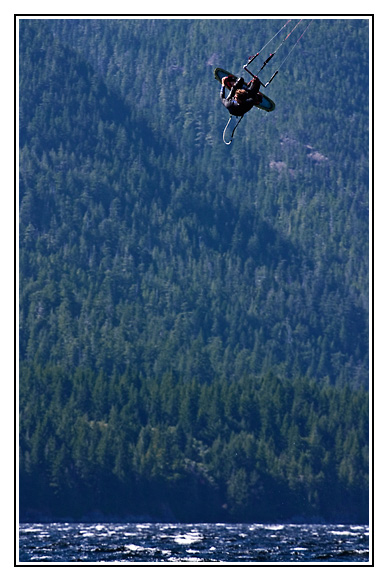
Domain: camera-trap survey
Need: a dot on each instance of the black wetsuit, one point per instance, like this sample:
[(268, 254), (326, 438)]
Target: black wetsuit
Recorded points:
[(238, 109)]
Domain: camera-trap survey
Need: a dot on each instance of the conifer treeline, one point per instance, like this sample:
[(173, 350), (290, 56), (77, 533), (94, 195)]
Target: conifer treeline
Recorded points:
[(249, 450), (170, 287)]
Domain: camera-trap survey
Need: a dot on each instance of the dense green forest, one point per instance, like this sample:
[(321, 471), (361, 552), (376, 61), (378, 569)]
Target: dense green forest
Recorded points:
[(194, 318)]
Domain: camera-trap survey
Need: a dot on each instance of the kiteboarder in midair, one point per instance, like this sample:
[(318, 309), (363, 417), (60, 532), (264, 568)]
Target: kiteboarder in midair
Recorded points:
[(240, 101)]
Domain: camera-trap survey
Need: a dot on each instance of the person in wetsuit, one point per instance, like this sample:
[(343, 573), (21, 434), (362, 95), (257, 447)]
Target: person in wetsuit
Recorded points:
[(240, 101)]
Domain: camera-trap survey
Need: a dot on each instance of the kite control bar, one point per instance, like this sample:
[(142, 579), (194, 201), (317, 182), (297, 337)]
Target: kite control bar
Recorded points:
[(245, 67), (252, 58)]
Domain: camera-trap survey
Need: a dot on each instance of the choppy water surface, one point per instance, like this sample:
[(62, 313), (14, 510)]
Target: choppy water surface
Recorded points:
[(196, 543)]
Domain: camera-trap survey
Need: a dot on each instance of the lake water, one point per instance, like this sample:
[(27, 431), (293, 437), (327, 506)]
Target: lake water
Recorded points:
[(192, 543)]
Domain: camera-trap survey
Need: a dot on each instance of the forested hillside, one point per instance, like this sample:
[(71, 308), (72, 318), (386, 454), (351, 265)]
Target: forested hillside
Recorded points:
[(193, 317)]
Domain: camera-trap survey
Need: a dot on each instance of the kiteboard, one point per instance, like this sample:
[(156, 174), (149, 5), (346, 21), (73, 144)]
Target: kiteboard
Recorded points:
[(266, 103)]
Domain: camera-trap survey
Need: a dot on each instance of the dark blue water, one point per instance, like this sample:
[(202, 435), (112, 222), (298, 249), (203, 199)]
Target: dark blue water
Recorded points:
[(196, 543)]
